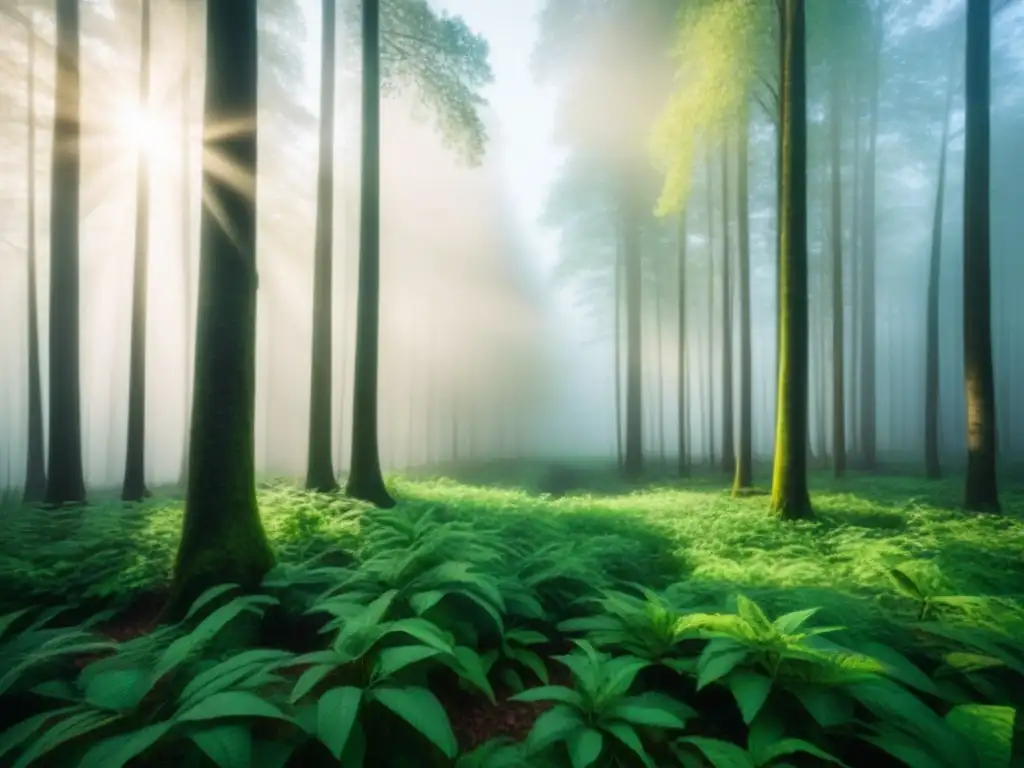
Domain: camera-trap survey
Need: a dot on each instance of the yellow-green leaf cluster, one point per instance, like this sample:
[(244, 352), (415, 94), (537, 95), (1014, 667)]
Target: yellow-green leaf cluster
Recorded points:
[(715, 56)]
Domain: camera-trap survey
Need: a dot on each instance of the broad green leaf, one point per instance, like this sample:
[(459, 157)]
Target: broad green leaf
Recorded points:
[(335, 715), (905, 585), (905, 748), (557, 693), (209, 596), (391, 660), (584, 747), (118, 690), (309, 679), (61, 732), (425, 631), (470, 668), (231, 704), (972, 662), (751, 613), (228, 746), (721, 754), (421, 709), (525, 637), (789, 623), (117, 751), (531, 661), (988, 728), (230, 671), (899, 667), (271, 754), (421, 602), (620, 673), (652, 709), (9, 618), (785, 747), (714, 665), (627, 735), (17, 734), (829, 707), (553, 726), (751, 692)]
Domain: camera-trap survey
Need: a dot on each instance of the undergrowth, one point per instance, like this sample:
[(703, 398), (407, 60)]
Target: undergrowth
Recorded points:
[(661, 627)]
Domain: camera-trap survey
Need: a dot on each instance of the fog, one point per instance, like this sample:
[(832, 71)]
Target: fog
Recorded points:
[(497, 309)]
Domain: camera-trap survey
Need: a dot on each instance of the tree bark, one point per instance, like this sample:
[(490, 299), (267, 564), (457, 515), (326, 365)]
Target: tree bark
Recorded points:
[(980, 489), (35, 465), (186, 234), (711, 313), (617, 288), (790, 499), (134, 487), (743, 478), (222, 537), (838, 305), (728, 427), (932, 457), (365, 480), (65, 478), (684, 410), (319, 466), (633, 464)]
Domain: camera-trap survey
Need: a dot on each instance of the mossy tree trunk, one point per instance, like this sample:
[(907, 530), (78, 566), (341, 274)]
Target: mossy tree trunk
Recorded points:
[(790, 499), (932, 457), (365, 480), (633, 461), (35, 461), (134, 486), (728, 395), (980, 489), (838, 306), (684, 406), (222, 537), (319, 467), (65, 480), (743, 478)]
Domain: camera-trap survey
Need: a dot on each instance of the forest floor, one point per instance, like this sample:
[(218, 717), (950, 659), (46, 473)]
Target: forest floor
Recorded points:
[(880, 549)]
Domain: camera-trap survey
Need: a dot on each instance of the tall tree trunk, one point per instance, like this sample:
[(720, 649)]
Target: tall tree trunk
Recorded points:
[(65, 479), (728, 429), (868, 397), (659, 369), (35, 466), (222, 536), (838, 305), (633, 463), (134, 487), (186, 233), (743, 478), (932, 458), (711, 313), (980, 490), (319, 467), (856, 240), (684, 409), (617, 288), (365, 480), (790, 499)]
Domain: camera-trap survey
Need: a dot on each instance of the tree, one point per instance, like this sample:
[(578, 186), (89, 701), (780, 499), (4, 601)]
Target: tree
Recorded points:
[(932, 460), (728, 424), (743, 478), (35, 466), (684, 410), (836, 241), (222, 537), (186, 230), (790, 499), (65, 480), (980, 489), (633, 459), (134, 487), (319, 468)]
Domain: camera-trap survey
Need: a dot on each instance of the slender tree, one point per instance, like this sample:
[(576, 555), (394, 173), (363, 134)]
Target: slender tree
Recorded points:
[(65, 479), (728, 424), (790, 499), (134, 487), (222, 537), (980, 489), (35, 468), (617, 288), (319, 467), (633, 463), (743, 478), (186, 231), (684, 409), (932, 460), (710, 403), (838, 306), (365, 480)]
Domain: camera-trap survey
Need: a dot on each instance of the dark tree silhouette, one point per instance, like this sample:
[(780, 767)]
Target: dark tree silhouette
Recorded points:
[(684, 410)]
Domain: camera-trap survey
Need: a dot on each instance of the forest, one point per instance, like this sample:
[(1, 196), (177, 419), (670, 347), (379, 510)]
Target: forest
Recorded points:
[(511, 383)]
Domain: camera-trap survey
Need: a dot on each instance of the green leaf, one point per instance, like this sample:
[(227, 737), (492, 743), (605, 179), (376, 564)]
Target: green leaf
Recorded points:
[(721, 754), (61, 733), (422, 602), (652, 709), (229, 671), (989, 730), (531, 661), (557, 693), (718, 661), (336, 713), (525, 637), (619, 676), (828, 707), (785, 747), (309, 679), (903, 747), (584, 747), (751, 692), (228, 746), (789, 623), (117, 751), (118, 690), (627, 735), (899, 667), (470, 668), (553, 726), (421, 709), (425, 631), (9, 618), (906, 585), (751, 613), (231, 704), (271, 754), (209, 596), (14, 736), (391, 660)]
